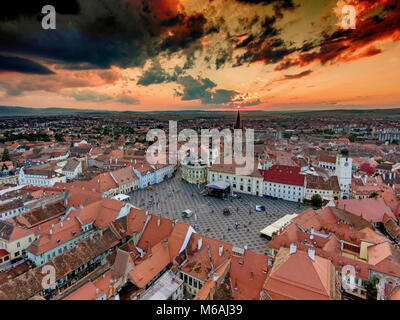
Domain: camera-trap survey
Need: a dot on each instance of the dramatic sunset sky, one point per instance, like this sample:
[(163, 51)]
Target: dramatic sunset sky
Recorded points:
[(200, 54)]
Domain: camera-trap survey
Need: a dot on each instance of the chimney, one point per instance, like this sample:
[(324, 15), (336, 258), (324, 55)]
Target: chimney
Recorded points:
[(61, 224), (158, 222), (221, 250), (251, 275), (51, 231), (293, 248), (199, 243), (311, 254)]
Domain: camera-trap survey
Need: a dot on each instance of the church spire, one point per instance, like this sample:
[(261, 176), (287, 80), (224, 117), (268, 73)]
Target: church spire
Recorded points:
[(238, 124)]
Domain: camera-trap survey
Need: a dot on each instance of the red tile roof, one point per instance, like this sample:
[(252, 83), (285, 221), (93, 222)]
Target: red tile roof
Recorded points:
[(296, 276), (371, 209), (284, 175)]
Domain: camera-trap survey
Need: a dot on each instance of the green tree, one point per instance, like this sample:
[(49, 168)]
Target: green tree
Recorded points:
[(380, 160), (373, 195), (372, 291), (316, 200), (6, 156), (59, 137), (352, 137)]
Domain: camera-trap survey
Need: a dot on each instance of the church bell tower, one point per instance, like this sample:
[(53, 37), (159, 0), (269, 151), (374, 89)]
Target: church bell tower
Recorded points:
[(344, 173)]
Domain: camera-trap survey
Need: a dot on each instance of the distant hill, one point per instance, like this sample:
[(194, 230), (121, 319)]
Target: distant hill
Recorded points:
[(23, 111), (6, 111)]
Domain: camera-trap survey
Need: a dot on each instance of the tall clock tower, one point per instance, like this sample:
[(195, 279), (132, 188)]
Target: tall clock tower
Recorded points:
[(344, 173)]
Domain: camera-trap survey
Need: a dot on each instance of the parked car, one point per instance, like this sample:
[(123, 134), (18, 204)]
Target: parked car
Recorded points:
[(260, 208), (187, 213), (236, 196)]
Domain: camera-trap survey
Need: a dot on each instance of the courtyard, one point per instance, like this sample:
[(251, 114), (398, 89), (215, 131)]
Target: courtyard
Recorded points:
[(174, 195)]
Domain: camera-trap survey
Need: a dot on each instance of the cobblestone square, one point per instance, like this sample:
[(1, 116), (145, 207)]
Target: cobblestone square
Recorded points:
[(173, 196)]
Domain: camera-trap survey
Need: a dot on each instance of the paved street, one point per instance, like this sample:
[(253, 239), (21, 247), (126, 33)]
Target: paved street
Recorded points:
[(209, 212)]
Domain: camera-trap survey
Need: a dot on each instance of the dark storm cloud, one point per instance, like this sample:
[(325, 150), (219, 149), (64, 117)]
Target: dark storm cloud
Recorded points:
[(343, 45), (220, 96), (203, 89), (251, 103), (98, 97), (11, 10), (22, 65), (154, 75), (98, 34), (265, 45), (298, 75), (90, 96), (127, 100), (185, 31), (195, 89), (221, 58), (278, 5), (94, 34)]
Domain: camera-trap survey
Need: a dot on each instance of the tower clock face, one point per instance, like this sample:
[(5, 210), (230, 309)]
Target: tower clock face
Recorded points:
[(346, 164)]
